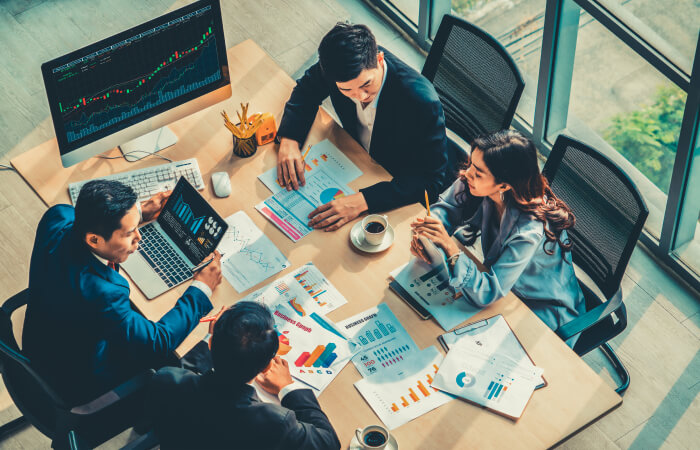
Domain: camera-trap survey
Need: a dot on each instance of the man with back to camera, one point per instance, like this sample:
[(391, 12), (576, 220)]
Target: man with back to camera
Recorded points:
[(81, 329), (389, 108), (221, 410)]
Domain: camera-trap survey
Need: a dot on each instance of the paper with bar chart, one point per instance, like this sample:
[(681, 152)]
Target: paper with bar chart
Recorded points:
[(403, 393), (289, 210), (249, 256), (323, 155), (384, 343), (431, 288), (315, 354), (323, 293), (491, 380)]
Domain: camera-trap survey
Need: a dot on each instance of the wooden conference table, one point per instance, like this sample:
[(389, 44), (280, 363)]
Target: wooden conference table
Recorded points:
[(575, 395)]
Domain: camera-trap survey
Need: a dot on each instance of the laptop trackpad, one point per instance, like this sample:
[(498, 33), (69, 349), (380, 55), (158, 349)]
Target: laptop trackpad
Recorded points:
[(144, 276)]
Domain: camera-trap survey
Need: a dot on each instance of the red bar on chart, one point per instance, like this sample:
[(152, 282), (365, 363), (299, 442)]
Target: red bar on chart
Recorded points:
[(302, 359)]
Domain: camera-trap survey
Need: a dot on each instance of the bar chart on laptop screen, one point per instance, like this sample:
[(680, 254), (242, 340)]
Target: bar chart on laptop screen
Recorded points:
[(140, 73)]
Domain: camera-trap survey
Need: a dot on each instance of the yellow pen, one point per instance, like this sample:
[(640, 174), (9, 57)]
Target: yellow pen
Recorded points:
[(427, 203), (308, 149)]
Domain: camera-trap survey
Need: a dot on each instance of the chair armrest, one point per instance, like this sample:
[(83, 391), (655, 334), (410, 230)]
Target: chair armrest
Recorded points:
[(118, 393), (16, 301), (590, 318)]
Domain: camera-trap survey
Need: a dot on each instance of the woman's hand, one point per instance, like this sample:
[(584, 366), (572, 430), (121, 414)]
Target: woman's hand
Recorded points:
[(432, 228)]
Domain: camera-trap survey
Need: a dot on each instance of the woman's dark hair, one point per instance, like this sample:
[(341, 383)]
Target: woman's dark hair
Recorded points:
[(347, 50), (244, 341), (101, 206), (512, 159)]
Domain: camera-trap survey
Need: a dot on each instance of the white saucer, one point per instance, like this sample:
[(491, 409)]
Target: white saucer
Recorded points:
[(392, 445), (358, 240)]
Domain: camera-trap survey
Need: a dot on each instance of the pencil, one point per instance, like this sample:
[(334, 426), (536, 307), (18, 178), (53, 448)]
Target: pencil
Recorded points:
[(427, 203)]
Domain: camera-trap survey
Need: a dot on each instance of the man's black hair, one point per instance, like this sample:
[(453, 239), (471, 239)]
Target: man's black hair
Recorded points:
[(101, 206), (244, 341), (347, 50)]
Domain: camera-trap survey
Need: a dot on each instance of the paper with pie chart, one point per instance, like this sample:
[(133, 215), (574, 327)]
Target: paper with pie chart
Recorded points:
[(325, 156), (315, 354), (403, 392), (249, 256), (289, 210), (495, 381)]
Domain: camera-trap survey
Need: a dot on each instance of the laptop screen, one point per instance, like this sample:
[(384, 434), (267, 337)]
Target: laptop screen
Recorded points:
[(191, 222)]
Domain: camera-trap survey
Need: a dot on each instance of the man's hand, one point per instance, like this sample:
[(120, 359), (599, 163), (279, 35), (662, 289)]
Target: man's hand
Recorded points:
[(151, 208), (337, 213), (290, 167), (275, 377), (432, 228), (211, 275)]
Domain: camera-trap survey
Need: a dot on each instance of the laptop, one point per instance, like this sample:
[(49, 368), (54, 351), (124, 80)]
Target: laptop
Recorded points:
[(187, 230)]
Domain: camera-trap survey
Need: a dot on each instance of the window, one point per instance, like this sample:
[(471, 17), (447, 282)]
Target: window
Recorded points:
[(518, 25), (408, 8), (618, 96)]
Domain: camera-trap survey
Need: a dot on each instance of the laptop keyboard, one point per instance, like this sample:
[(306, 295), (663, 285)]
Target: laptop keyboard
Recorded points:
[(160, 255)]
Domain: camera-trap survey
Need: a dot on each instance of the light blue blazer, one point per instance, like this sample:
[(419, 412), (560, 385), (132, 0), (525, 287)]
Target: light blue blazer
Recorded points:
[(515, 260)]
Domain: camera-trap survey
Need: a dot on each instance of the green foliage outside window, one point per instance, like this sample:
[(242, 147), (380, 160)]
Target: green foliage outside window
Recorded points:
[(648, 137)]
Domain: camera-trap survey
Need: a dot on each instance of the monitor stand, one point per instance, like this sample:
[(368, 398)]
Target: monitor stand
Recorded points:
[(148, 144)]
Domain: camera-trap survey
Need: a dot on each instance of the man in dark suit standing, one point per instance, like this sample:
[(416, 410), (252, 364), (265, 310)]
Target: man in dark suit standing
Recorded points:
[(389, 108), (221, 410), (81, 329)]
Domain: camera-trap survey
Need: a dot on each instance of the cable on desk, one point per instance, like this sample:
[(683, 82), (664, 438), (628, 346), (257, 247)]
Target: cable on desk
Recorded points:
[(6, 167), (136, 151)]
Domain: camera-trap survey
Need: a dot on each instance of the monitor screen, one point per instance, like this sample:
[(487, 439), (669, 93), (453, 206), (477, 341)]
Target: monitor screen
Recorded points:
[(127, 78), (189, 220)]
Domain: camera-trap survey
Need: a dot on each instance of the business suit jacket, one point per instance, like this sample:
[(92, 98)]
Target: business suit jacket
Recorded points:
[(81, 329), (408, 138), (206, 411)]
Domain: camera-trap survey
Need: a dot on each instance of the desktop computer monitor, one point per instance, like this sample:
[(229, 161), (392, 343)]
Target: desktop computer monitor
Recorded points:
[(123, 90)]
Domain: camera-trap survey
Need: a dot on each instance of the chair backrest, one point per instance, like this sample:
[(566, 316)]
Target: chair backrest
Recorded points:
[(30, 393), (476, 78), (610, 212)]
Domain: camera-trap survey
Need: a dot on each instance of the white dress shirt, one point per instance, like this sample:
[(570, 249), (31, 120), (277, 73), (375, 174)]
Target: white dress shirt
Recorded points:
[(367, 114)]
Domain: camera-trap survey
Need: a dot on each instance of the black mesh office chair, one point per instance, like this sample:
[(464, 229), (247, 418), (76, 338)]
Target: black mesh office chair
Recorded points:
[(610, 214), (42, 407), (476, 78)]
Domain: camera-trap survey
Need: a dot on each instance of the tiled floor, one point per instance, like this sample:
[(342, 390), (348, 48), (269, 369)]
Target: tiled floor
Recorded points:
[(660, 346)]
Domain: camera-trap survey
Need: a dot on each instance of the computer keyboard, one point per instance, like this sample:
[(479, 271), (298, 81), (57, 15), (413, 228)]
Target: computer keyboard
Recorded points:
[(151, 180), (161, 256)]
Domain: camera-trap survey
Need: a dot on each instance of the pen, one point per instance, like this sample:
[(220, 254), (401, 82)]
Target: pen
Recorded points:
[(207, 319), (202, 265), (427, 203)]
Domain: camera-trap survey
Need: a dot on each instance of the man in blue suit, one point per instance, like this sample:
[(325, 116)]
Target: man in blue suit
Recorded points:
[(81, 330), (389, 108)]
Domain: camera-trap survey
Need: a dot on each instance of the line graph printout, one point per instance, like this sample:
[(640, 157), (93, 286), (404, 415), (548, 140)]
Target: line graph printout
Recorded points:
[(384, 343), (323, 155), (249, 256), (403, 393)]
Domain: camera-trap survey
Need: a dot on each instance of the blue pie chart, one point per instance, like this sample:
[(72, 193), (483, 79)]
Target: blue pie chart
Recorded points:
[(465, 379)]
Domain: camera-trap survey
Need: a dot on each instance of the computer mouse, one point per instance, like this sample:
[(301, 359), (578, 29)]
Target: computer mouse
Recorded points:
[(221, 183)]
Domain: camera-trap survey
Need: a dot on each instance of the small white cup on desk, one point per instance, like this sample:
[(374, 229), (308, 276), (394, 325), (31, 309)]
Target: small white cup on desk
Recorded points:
[(374, 228), (373, 437)]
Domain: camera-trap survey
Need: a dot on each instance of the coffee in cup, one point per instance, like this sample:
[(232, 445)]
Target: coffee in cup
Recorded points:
[(374, 228), (373, 437)]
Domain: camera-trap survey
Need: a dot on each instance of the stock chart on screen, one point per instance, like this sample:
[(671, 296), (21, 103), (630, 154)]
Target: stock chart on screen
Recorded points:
[(116, 84)]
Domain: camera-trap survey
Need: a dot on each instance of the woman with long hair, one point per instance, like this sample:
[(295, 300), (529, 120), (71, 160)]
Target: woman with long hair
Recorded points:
[(502, 196)]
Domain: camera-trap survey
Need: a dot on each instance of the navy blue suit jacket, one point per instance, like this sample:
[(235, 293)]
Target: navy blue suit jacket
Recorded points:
[(408, 138), (190, 411), (81, 329)]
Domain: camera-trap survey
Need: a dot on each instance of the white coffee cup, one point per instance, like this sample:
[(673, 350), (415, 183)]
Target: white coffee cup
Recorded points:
[(373, 437), (374, 237)]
